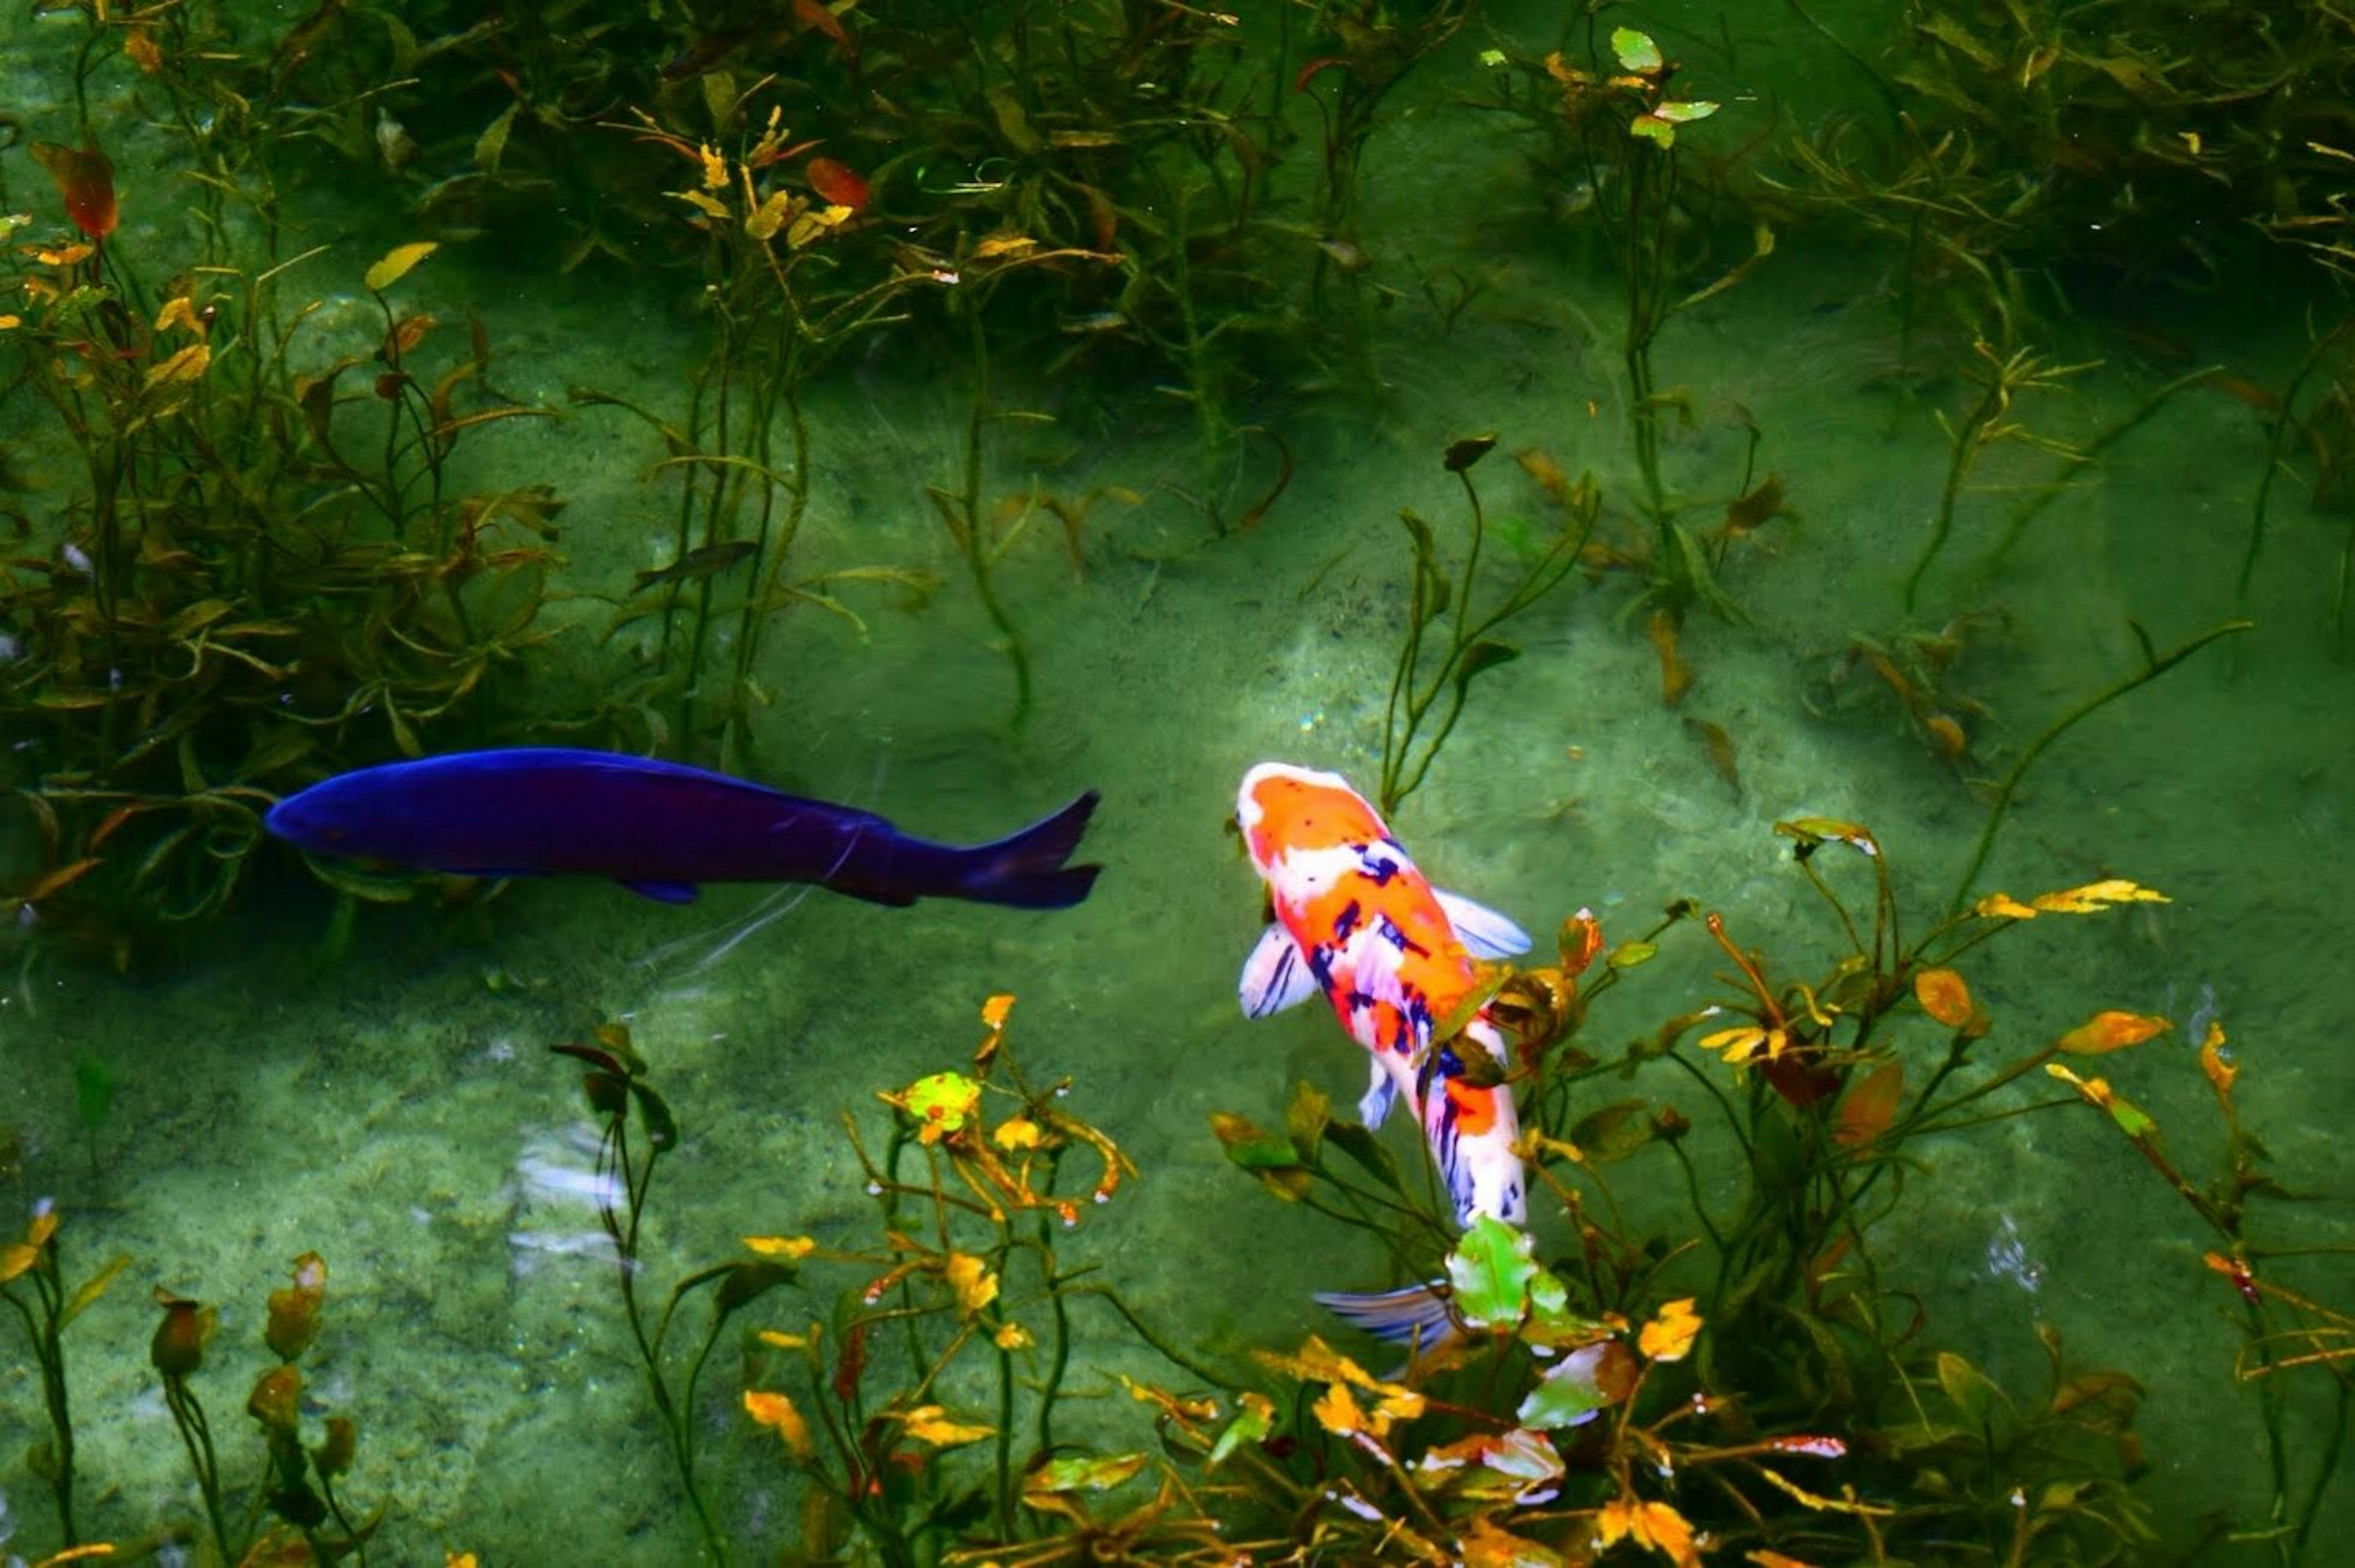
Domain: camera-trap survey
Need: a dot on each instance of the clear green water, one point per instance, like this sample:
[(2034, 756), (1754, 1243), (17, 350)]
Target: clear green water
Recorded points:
[(400, 1113)]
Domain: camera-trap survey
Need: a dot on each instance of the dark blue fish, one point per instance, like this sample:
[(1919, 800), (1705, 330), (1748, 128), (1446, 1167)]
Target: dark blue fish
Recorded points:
[(659, 828)]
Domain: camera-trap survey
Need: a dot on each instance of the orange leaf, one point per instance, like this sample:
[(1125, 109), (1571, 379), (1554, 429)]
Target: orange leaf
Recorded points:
[(1944, 997), (85, 177), (1669, 1336), (777, 1410), (2220, 1071), (1676, 676), (837, 182), (51, 880), (1869, 1104), (2110, 1032)]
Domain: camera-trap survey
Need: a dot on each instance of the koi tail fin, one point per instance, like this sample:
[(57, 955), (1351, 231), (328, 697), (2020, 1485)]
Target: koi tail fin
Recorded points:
[(1415, 1315), (1026, 870)]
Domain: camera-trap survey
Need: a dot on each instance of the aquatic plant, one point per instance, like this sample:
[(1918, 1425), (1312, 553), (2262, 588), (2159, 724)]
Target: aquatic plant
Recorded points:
[(1617, 122), (1412, 733), (259, 558), (965, 1292), (32, 1283), (303, 1510), (1740, 1375)]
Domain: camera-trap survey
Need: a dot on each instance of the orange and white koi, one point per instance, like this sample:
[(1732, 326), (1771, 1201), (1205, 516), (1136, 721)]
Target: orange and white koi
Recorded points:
[(1394, 956)]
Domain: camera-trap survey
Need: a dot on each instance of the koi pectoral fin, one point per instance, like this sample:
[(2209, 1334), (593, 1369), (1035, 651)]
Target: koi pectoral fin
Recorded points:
[(1484, 933), (1275, 975)]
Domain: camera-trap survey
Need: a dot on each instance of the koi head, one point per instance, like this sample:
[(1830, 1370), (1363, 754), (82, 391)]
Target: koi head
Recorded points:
[(1285, 811)]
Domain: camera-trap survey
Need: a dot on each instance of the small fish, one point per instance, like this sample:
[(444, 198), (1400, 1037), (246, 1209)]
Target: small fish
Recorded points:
[(707, 561), (659, 828), (1394, 956)]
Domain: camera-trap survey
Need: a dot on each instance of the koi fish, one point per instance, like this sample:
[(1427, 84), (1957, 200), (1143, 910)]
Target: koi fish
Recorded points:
[(1394, 956), (659, 828)]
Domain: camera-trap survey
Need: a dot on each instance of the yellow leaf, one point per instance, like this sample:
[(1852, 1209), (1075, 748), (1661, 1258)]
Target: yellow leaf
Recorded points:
[(1735, 1042), (179, 312), (2110, 1032), (778, 1410), (185, 366), (763, 221), (1944, 997), (396, 265), (70, 256), (1654, 1525), (1338, 1412), (1766, 1559), (970, 1278), (1012, 1336), (785, 1341), (715, 167), (1487, 1546), (929, 1424), (782, 1246), (709, 205), (6, 322), (998, 245), (2096, 897), (1017, 1132), (812, 223), (2002, 906), (994, 1010), (459, 1559), (1669, 1336)]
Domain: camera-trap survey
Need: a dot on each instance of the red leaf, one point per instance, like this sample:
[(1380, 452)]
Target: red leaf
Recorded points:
[(837, 182)]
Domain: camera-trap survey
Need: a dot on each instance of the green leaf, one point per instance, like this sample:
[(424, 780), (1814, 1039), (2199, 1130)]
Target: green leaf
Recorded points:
[(748, 1282), (1480, 656), (1568, 1393), (1361, 1145), (662, 1128), (1305, 1119), (1251, 1424), (1082, 1474), (1969, 1388), (1636, 51), (92, 1289), (1652, 128), (1684, 112), (1614, 1131), (1628, 955), (1492, 1268)]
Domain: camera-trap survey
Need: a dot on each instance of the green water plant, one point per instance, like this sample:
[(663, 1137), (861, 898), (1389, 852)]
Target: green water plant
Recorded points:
[(33, 1285), (1738, 1372), (265, 573), (921, 1416), (1449, 638)]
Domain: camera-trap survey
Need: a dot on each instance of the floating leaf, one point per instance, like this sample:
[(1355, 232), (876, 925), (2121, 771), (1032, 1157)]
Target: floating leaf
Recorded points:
[(1491, 1269), (1869, 1104), (396, 265), (2111, 1031), (1944, 997), (1669, 1336)]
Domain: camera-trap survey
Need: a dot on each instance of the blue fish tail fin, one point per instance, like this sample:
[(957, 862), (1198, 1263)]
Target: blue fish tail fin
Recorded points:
[(1415, 1315), (1026, 870)]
